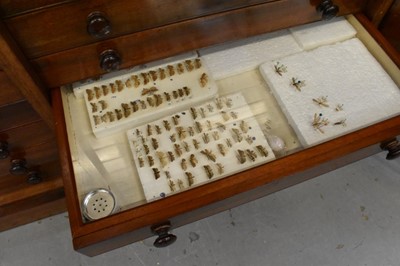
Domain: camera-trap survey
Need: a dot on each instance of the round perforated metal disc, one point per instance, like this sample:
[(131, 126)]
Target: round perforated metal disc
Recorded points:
[(98, 204)]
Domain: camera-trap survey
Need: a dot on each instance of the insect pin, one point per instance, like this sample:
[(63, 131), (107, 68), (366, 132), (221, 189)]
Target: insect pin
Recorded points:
[(298, 84), (280, 68), (321, 101)]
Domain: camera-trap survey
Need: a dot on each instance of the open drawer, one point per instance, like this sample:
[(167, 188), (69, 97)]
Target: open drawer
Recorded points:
[(113, 189)]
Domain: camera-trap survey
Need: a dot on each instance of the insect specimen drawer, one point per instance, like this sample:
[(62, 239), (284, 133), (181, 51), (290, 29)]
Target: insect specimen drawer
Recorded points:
[(144, 150)]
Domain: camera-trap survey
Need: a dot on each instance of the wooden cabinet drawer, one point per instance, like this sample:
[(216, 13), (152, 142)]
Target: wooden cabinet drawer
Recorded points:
[(16, 115), (132, 223), (8, 93), (172, 39), (14, 8), (64, 26)]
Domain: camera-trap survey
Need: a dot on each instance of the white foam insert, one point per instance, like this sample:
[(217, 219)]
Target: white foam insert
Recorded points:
[(321, 33), (347, 74), (232, 58)]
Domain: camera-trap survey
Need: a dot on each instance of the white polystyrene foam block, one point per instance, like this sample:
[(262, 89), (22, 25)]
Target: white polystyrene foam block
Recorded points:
[(321, 33), (346, 73), (240, 56)]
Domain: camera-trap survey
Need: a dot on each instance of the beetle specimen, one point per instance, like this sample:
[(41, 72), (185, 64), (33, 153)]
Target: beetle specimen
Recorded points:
[(145, 77), (241, 156), (209, 125), (166, 124), (180, 68), (196, 144), (234, 115), (321, 101), (280, 68), (184, 164), (158, 129), (220, 168), (197, 63), (221, 149), (149, 130), (249, 139), (262, 150), (198, 126), (128, 83), (203, 80), (146, 149), (180, 184), (112, 86), (210, 108), (150, 90), (225, 116), (171, 185), (141, 161), (190, 130), (189, 65), (154, 143), (251, 154), (97, 120), (161, 71), (202, 112), (98, 92), (153, 75), (171, 156), (156, 173), (142, 104), (175, 94), (120, 85), (298, 84), (94, 107), (186, 90), (206, 138), (219, 103), (90, 94), (228, 102), (193, 161), (244, 126), (111, 116), (162, 158), (181, 132), (185, 146), (171, 70), (319, 122), (167, 96), (215, 135), (193, 112), (103, 104), (221, 127), (181, 93), (178, 149), (209, 154), (119, 114), (173, 137), (190, 178), (150, 160), (228, 143), (175, 119), (136, 80), (209, 171), (237, 135), (167, 174), (158, 99), (151, 101)]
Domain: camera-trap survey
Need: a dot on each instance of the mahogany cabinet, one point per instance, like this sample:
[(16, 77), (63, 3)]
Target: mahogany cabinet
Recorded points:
[(51, 44)]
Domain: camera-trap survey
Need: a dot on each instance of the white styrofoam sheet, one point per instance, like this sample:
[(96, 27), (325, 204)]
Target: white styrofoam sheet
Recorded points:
[(233, 58), (346, 73), (155, 188), (320, 33)]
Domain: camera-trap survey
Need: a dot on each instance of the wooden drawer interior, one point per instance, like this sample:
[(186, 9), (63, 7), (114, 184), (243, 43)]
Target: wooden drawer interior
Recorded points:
[(139, 215)]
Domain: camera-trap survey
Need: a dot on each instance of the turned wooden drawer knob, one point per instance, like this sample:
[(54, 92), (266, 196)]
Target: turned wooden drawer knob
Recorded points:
[(34, 177), (18, 167), (328, 9), (110, 60), (98, 25), (164, 237), (4, 152), (393, 148)]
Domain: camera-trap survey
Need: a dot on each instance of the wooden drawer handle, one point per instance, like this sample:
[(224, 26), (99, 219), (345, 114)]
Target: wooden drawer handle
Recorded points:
[(34, 177), (393, 148), (18, 167), (98, 25), (164, 237), (110, 60), (328, 9), (4, 152)]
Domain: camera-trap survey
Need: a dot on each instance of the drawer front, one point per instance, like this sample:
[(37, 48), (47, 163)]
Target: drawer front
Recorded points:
[(14, 8), (8, 93), (16, 115), (153, 44), (64, 26)]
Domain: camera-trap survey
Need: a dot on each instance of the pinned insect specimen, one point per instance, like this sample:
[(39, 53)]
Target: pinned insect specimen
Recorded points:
[(206, 138), (146, 149), (237, 135), (221, 127), (339, 107), (167, 96), (280, 68), (228, 102), (125, 106), (298, 84), (234, 115), (178, 149), (166, 124), (103, 104), (156, 173), (319, 122), (175, 119), (209, 125), (181, 132), (175, 94), (184, 164), (186, 146), (209, 154), (321, 101), (220, 168), (120, 85), (186, 90), (112, 86), (210, 108), (221, 149), (128, 83), (215, 135), (228, 143), (167, 174), (158, 99), (262, 150), (136, 81), (138, 132), (135, 106), (190, 130), (94, 107), (171, 70), (244, 126), (143, 104), (158, 129), (249, 139), (150, 160), (180, 184), (111, 116), (173, 137), (105, 118), (154, 143), (209, 171), (162, 158), (219, 103), (153, 75), (97, 120), (203, 80), (180, 68), (90, 94), (193, 112), (145, 77), (141, 161), (149, 130), (119, 114), (197, 63), (202, 112), (341, 122), (193, 161), (198, 126), (150, 90), (241, 156), (98, 92), (251, 154), (196, 144), (171, 156), (189, 65), (225, 116), (161, 71), (150, 101), (181, 93), (171, 185), (190, 178)]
